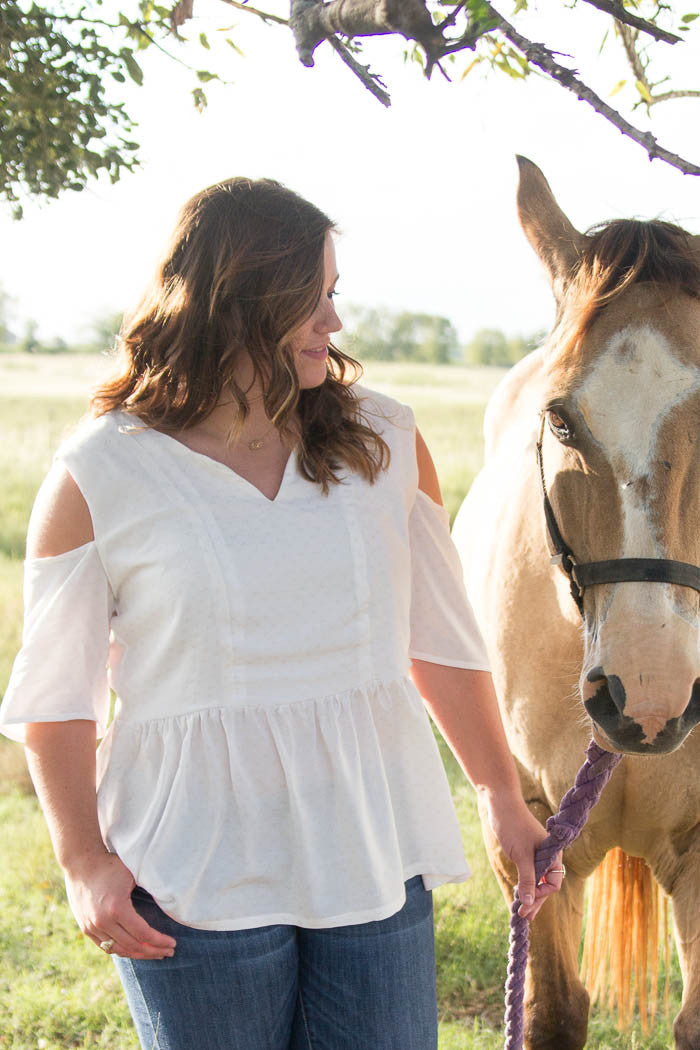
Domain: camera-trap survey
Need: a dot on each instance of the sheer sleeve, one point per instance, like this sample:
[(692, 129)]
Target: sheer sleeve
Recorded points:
[(60, 672), (443, 626)]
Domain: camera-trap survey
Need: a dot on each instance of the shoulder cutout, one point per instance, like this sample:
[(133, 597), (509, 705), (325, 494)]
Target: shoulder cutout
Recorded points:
[(60, 518), (427, 474)]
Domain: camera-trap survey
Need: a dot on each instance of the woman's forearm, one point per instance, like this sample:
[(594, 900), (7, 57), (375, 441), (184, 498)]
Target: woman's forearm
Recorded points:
[(463, 705), (61, 760)]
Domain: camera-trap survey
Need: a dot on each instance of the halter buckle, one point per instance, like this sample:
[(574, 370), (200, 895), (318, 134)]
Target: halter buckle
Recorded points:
[(566, 561)]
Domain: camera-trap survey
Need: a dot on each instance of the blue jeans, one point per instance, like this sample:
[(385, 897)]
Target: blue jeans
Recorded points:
[(369, 986)]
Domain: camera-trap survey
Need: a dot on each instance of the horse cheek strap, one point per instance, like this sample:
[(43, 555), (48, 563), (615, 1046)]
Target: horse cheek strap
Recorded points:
[(614, 570)]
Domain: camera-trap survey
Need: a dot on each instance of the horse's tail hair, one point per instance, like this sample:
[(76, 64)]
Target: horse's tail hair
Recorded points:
[(627, 924)]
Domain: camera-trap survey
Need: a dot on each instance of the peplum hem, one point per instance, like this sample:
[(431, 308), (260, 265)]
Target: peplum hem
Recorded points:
[(312, 813)]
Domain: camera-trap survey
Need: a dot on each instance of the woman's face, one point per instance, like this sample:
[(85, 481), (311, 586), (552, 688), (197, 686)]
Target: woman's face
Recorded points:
[(309, 343)]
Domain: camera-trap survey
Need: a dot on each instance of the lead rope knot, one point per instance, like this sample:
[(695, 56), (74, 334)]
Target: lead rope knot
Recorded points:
[(562, 828)]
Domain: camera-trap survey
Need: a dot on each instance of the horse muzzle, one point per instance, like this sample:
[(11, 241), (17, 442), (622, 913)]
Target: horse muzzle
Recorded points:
[(605, 700)]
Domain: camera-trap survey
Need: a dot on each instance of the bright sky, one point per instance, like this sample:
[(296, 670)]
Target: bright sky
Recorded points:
[(424, 193)]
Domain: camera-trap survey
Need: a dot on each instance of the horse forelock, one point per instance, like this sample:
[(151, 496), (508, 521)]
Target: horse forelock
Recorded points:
[(615, 257)]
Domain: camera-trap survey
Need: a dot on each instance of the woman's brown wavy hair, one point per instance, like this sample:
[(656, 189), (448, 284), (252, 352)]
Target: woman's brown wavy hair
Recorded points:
[(243, 270)]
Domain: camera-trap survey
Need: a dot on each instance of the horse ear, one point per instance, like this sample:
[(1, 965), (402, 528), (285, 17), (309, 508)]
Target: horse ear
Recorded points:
[(557, 243)]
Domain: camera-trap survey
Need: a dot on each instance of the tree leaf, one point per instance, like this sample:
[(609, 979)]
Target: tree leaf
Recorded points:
[(133, 68), (472, 64), (643, 91)]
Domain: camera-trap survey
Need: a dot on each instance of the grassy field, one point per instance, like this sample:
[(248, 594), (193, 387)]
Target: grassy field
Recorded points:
[(56, 990)]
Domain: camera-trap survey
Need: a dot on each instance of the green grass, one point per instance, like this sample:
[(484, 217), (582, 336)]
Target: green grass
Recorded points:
[(30, 430), (448, 403), (56, 990)]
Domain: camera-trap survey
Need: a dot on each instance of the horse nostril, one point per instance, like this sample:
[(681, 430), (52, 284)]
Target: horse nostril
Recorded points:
[(691, 715), (617, 692), (606, 705)]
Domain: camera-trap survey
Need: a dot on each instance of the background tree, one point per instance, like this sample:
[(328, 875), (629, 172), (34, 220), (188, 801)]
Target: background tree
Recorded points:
[(424, 337), (63, 62), (59, 124), (373, 334), (490, 346), (7, 336), (105, 329), (29, 343)]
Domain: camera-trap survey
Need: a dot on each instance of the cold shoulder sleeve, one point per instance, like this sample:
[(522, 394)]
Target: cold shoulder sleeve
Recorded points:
[(443, 626), (60, 672)]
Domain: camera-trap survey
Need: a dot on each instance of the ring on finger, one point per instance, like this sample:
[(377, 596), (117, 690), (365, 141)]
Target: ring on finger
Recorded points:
[(106, 946)]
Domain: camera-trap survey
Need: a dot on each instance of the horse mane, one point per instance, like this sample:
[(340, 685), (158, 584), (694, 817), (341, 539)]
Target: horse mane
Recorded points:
[(617, 255)]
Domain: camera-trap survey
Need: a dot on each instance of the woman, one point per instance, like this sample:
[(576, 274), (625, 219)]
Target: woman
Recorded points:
[(247, 540)]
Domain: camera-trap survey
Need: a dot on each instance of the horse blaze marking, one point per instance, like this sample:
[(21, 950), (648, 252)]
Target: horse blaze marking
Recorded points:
[(637, 363)]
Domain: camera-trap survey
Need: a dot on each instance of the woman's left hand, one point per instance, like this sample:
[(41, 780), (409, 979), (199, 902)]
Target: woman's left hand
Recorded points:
[(519, 834)]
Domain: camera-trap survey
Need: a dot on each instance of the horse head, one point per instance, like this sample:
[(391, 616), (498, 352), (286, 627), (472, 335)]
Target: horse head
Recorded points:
[(620, 461)]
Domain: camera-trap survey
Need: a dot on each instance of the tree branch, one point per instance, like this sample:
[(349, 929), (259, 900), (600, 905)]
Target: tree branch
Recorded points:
[(541, 57), (452, 19), (264, 15), (372, 81), (469, 40), (313, 21), (629, 41), (180, 14), (621, 14), (649, 99), (668, 95)]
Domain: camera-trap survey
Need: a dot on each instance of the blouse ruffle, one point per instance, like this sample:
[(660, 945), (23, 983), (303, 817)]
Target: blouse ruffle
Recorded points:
[(269, 798)]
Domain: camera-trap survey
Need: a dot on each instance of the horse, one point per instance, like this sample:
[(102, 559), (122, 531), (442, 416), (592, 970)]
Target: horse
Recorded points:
[(580, 540)]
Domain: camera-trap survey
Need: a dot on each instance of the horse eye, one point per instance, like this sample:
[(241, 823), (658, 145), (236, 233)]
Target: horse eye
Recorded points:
[(559, 426)]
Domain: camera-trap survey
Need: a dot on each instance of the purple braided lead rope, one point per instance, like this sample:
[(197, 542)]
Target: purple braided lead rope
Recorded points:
[(563, 828)]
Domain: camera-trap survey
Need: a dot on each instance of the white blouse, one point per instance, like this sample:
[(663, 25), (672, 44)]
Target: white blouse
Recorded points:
[(269, 759)]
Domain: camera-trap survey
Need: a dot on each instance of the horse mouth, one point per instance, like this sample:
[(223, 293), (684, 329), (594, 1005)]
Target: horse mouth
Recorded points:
[(630, 740), (603, 740), (614, 730)]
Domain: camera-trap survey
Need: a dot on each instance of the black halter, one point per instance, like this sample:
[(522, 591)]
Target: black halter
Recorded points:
[(619, 570)]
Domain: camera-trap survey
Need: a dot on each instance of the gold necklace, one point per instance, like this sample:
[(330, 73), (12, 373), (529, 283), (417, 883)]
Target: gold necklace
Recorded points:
[(257, 443)]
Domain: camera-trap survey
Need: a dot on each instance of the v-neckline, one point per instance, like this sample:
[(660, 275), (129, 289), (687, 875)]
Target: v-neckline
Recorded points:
[(218, 465)]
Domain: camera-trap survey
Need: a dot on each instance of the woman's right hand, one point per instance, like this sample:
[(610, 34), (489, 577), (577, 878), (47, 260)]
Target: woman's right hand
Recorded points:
[(99, 892), (61, 758)]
